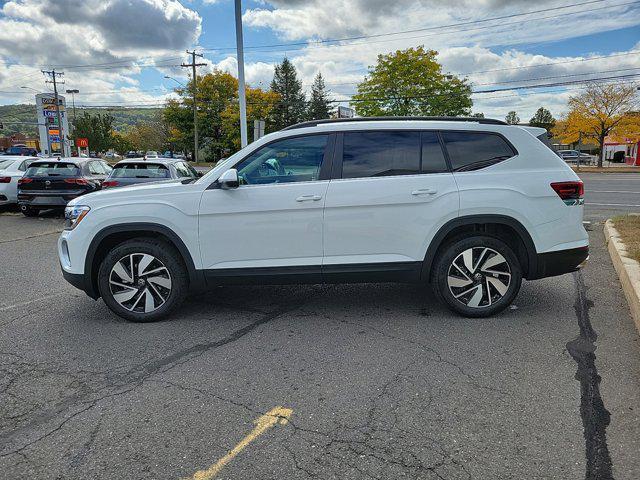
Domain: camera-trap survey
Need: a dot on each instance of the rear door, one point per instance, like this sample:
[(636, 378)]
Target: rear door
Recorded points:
[(390, 192)]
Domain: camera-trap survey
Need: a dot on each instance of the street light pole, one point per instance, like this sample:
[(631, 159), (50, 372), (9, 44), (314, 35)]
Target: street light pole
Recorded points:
[(241, 87)]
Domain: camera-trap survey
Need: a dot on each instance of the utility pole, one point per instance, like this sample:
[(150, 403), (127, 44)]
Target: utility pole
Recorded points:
[(241, 88), (53, 74), (193, 65)]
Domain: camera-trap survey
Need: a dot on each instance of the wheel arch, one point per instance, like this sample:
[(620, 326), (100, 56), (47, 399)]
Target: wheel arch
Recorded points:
[(499, 226), (113, 235)]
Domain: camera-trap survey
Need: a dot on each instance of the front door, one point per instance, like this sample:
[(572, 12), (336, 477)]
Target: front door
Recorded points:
[(273, 219)]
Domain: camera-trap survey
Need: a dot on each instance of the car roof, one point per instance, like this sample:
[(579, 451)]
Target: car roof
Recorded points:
[(16, 157), (76, 160), (161, 160)]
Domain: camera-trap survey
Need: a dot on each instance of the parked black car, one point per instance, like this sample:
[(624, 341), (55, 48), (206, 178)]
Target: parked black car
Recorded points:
[(131, 172), (52, 183)]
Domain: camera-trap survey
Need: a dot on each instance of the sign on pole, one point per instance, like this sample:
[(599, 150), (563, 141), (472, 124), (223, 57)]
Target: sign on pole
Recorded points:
[(258, 129), (346, 112), (48, 127), (82, 142)]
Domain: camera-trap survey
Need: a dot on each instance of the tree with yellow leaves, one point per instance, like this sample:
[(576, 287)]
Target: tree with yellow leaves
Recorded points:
[(604, 109)]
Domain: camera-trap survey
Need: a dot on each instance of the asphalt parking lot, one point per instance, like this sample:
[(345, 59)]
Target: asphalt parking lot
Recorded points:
[(372, 381)]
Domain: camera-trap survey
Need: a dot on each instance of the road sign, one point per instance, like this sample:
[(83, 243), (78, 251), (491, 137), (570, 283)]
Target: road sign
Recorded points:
[(346, 112), (82, 142)]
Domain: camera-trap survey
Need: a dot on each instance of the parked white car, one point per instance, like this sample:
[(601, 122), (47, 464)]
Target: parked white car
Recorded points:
[(12, 168), (470, 206)]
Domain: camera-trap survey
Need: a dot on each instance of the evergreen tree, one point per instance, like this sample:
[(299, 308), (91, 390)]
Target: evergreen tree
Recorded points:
[(512, 118), (292, 106), (543, 118), (320, 104)]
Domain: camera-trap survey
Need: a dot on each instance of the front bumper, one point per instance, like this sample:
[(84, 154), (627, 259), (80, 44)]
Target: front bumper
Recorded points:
[(80, 281), (551, 264)]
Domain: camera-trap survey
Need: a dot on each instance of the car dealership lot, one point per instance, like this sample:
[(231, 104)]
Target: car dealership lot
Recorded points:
[(382, 381)]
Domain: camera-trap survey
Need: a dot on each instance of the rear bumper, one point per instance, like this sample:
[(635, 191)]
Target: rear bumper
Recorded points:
[(43, 201), (551, 264)]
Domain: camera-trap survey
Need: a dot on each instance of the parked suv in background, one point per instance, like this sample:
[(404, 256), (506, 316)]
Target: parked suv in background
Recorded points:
[(471, 206), (52, 183), (135, 171)]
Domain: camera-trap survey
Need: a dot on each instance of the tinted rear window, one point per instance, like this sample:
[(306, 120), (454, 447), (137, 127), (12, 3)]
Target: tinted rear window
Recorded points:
[(140, 170), (473, 150), (379, 154), (61, 169)]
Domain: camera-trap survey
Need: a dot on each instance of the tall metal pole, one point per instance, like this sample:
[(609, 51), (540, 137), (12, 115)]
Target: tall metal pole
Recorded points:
[(241, 87), (193, 65)]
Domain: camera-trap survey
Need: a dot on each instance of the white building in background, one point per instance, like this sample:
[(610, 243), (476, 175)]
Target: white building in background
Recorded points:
[(50, 141)]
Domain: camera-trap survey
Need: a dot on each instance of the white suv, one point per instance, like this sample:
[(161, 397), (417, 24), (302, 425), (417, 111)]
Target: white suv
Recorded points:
[(470, 206)]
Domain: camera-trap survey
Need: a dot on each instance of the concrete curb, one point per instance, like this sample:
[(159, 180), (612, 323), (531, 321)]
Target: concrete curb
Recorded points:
[(628, 270)]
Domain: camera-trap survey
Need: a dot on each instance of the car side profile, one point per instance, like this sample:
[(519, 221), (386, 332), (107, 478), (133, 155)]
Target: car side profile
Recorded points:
[(137, 171), (52, 183), (469, 206), (12, 168)]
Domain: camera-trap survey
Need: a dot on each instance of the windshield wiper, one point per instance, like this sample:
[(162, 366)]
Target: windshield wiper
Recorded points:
[(482, 163)]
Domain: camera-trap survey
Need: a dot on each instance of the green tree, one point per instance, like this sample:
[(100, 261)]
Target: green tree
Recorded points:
[(543, 118), (411, 82), (97, 129), (215, 91), (292, 106), (319, 103), (512, 118), (478, 115)]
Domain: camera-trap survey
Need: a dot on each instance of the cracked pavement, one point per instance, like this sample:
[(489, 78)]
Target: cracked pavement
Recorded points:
[(383, 381)]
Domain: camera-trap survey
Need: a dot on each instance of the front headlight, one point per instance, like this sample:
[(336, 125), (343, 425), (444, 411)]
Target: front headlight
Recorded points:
[(74, 215)]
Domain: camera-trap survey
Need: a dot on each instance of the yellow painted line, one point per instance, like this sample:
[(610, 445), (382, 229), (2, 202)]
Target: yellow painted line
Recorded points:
[(265, 422)]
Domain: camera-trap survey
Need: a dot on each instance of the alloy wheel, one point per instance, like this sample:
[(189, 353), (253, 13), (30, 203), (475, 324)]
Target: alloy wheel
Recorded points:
[(479, 277), (140, 283)]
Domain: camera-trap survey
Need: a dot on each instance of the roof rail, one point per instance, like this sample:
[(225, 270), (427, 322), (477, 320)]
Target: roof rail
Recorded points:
[(314, 123)]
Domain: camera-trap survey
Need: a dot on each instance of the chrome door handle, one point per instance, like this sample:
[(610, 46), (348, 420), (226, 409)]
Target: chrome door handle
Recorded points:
[(307, 198), (424, 191)]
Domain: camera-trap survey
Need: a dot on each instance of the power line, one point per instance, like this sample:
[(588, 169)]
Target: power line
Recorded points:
[(400, 32)]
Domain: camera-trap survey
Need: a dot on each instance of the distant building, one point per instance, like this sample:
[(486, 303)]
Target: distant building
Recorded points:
[(630, 149), (18, 139)]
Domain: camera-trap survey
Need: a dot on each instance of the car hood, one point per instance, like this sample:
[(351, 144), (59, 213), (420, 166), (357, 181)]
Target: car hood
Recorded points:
[(135, 193)]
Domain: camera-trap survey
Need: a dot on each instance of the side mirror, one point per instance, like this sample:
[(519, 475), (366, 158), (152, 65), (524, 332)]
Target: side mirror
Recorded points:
[(229, 179)]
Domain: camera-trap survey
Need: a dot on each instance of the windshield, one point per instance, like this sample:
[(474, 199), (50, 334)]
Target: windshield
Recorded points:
[(53, 169), (140, 170)]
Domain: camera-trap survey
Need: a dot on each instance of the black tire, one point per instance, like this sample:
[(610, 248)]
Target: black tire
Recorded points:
[(28, 211), (163, 300), (495, 284)]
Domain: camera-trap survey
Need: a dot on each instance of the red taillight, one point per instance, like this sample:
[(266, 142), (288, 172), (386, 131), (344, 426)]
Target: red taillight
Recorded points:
[(76, 181), (5, 179), (109, 183), (23, 180), (569, 190)]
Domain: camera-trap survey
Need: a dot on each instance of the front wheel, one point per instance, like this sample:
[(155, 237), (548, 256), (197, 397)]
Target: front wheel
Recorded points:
[(477, 276), (142, 280)]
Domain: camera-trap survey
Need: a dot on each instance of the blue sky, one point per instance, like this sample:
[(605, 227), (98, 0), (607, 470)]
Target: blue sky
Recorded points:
[(117, 52)]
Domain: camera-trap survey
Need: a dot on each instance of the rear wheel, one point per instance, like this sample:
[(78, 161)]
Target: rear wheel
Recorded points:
[(28, 211), (142, 280), (477, 276)]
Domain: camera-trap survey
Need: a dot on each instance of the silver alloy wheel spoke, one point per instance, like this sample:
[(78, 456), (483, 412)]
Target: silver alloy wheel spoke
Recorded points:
[(132, 286), (479, 276)]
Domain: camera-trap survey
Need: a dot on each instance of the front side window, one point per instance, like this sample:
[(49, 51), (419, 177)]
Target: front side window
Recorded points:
[(185, 170), (433, 160), (95, 168), (291, 160), (475, 150), (380, 154)]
